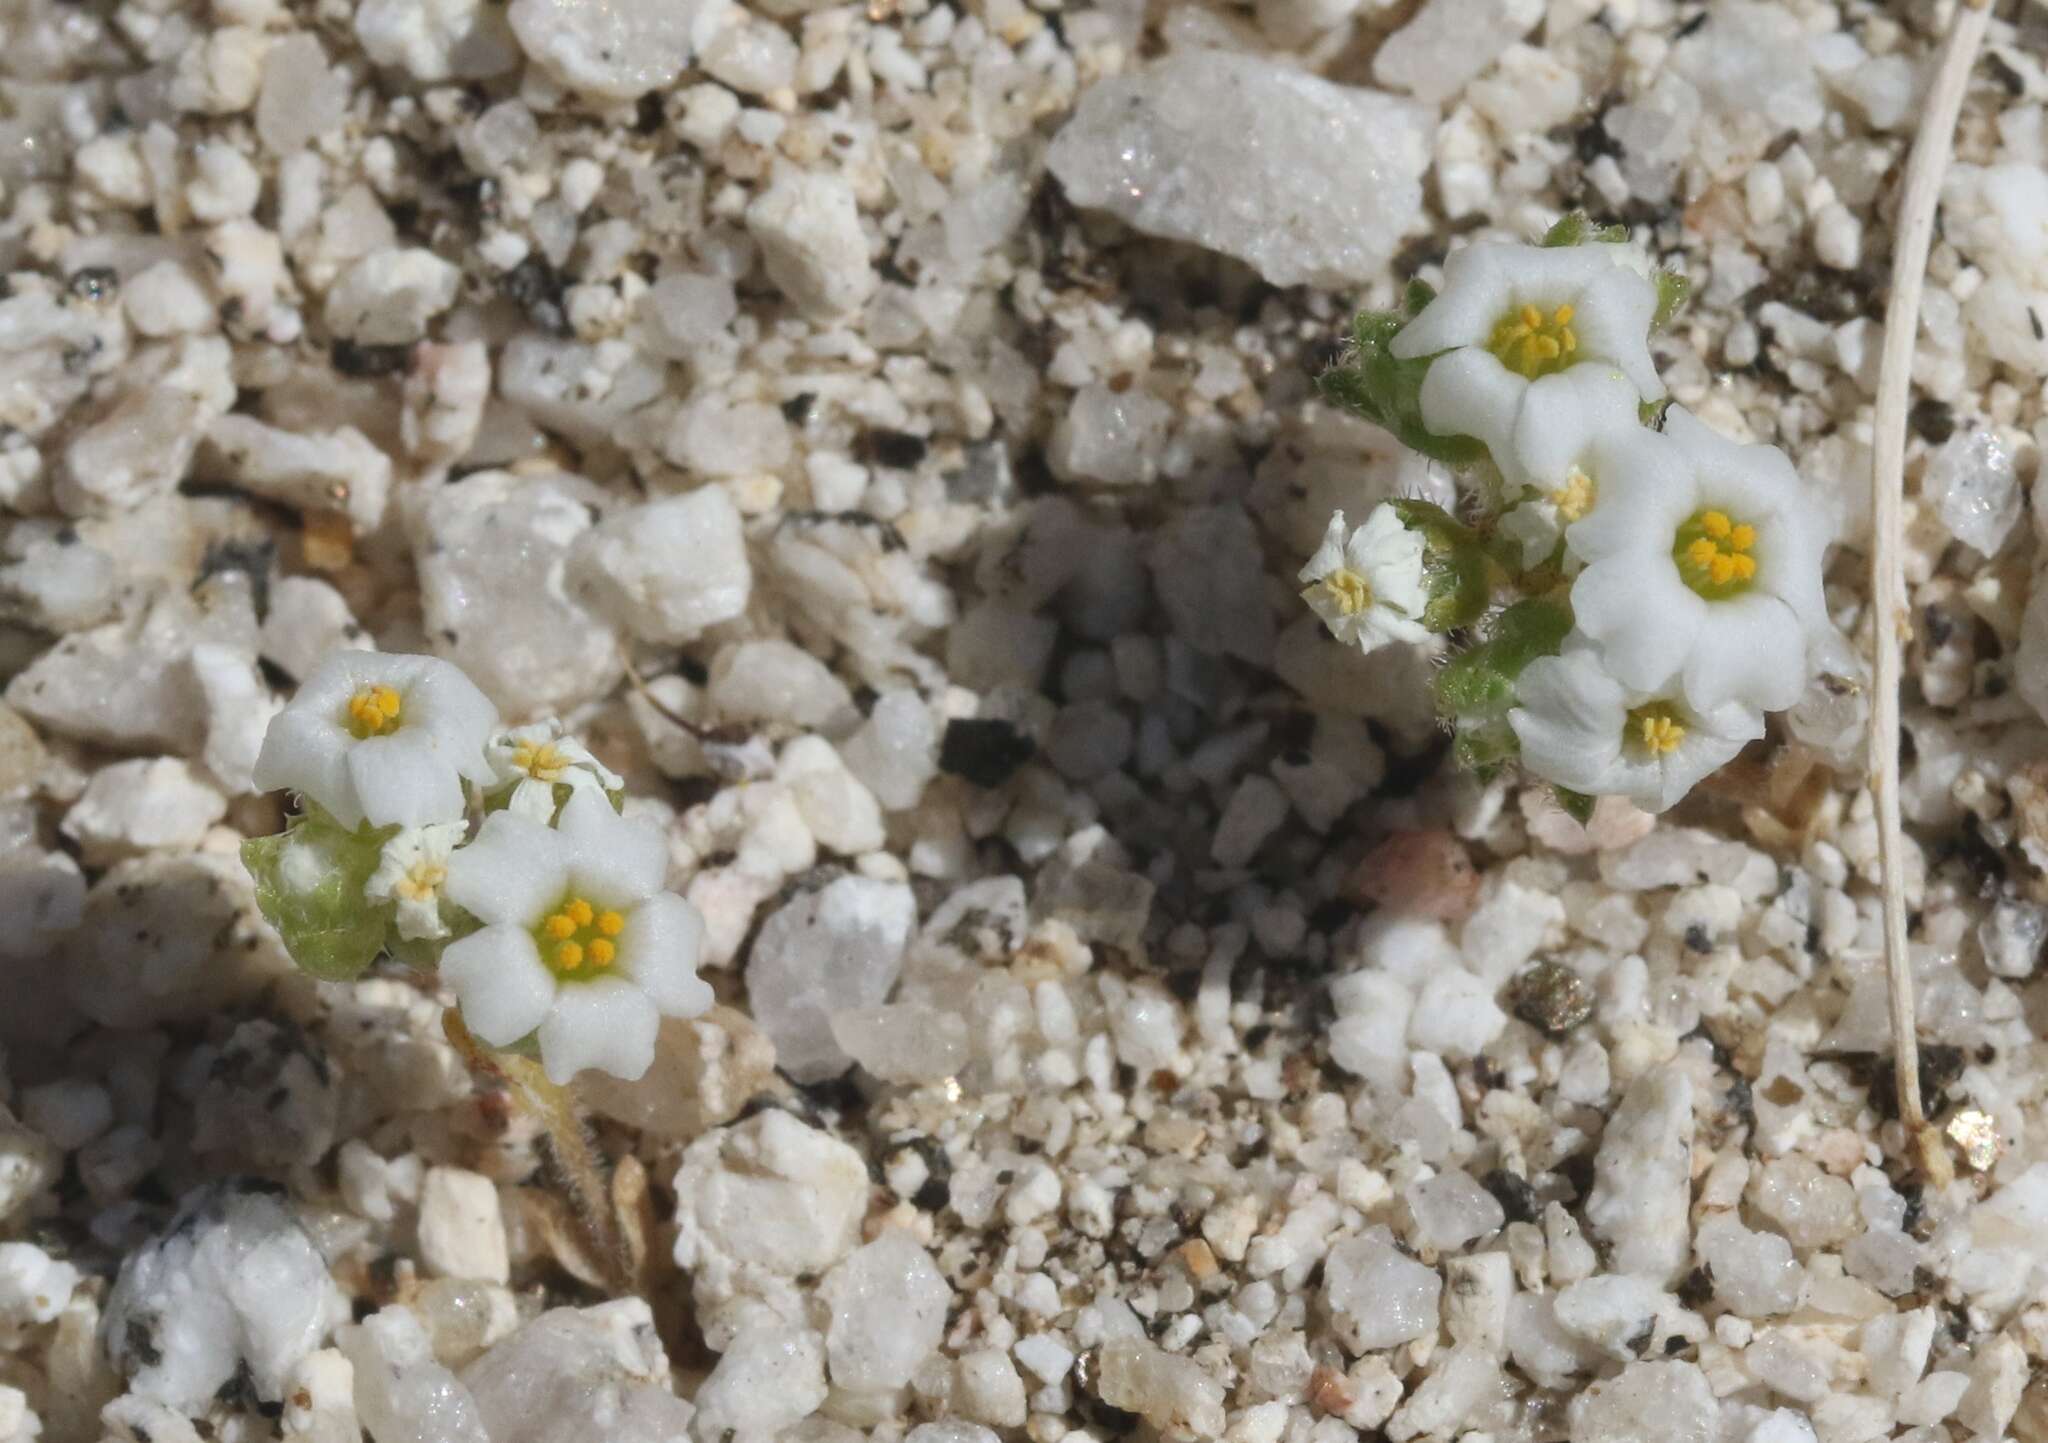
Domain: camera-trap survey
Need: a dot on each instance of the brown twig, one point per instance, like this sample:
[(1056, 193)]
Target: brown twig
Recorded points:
[(1920, 195)]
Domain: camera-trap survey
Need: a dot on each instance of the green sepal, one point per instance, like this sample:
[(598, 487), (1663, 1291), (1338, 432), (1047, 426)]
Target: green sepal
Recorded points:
[(330, 929), (1577, 228), (1577, 805), (1480, 683), (1419, 294), (1454, 564), (1673, 290), (1371, 382), (1651, 413), (423, 954), (1483, 745)]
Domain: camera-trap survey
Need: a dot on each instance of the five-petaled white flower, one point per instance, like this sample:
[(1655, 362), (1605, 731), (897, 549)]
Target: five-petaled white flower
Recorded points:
[(1368, 588), (1582, 729), (1580, 425), (380, 738), (1704, 571), (533, 760), (1511, 316), (411, 871), (580, 942)]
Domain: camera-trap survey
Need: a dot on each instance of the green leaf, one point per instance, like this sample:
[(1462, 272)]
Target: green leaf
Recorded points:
[(1481, 682), (1371, 382), (1577, 228), (309, 885), (1577, 805), (1453, 564), (1485, 745), (1673, 290)]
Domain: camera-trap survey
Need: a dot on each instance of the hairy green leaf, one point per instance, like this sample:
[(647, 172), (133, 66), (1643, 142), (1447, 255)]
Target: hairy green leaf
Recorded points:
[(1577, 228), (309, 885), (1371, 382), (1673, 290), (1577, 805)]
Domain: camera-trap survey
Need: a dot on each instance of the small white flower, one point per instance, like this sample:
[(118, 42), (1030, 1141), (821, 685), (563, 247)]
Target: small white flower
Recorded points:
[(411, 871), (532, 760), (1704, 570), (1582, 729), (1368, 589), (380, 738), (1510, 316), (1579, 426), (580, 941)]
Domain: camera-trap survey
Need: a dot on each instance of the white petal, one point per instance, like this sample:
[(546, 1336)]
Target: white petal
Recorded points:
[(1329, 555), (1643, 492), (659, 950), (1641, 615), (499, 982), (614, 862), (1700, 755), (1475, 295), (449, 705), (1470, 393), (1569, 721), (513, 872), (1561, 419), (1750, 649), (419, 919), (405, 779), (305, 752), (1758, 484), (533, 800), (1612, 321), (608, 1024), (339, 676)]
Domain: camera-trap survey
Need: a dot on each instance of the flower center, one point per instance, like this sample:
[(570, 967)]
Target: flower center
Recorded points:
[(1532, 344), (577, 936), (373, 711), (1713, 555), (1348, 590), (1576, 497), (540, 760), (1656, 729), (421, 882)]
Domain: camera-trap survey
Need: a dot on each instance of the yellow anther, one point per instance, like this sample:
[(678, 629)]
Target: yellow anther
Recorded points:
[(581, 910), (540, 761), (421, 882), (1576, 497), (1711, 549), (1745, 567), (1742, 537), (576, 934), (374, 710), (602, 952), (1702, 553), (1660, 733), (561, 927), (1351, 592), (610, 923), (1531, 344), (1722, 569), (1716, 524), (569, 956)]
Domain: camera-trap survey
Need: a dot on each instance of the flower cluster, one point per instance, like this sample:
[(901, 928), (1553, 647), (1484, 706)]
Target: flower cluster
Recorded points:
[(1638, 590), (548, 920)]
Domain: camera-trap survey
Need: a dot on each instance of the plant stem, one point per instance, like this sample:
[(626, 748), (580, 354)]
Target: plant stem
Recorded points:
[(1920, 194), (576, 1162)]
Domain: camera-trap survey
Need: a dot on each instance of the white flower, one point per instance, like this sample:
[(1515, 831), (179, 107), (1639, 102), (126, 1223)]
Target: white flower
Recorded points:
[(411, 871), (1704, 570), (380, 738), (1511, 315), (533, 759), (1582, 729), (1579, 425), (580, 941), (1368, 589)]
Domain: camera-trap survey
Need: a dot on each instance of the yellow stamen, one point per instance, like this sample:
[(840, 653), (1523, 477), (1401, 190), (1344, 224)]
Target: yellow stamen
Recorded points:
[(1350, 591), (1576, 497), (374, 710), (561, 927), (569, 956), (1712, 551), (1660, 733), (421, 882), (610, 923), (576, 936), (581, 910), (601, 952), (540, 761), (1533, 345)]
